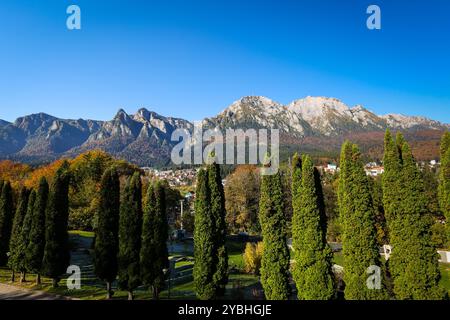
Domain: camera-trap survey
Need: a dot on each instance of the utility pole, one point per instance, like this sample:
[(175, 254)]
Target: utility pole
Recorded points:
[(181, 214)]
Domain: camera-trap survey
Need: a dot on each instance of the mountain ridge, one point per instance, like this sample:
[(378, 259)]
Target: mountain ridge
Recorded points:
[(144, 137), (315, 116)]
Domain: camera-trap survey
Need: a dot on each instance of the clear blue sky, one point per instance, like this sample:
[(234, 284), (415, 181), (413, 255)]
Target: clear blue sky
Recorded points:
[(192, 58)]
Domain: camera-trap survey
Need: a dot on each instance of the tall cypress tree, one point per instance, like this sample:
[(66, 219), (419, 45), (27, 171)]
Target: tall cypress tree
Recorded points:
[(154, 254), (161, 235), (312, 270), (15, 260), (56, 251), (345, 205), (296, 183), (413, 263), (107, 232), (444, 180), (6, 219), (148, 253), (391, 177), (25, 235), (445, 142), (357, 216), (296, 186), (204, 266), (218, 213), (36, 242), (275, 260), (130, 230)]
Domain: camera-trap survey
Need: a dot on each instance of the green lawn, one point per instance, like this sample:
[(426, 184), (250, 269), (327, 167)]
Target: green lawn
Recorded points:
[(240, 286), (87, 291), (183, 263), (338, 258), (445, 276), (86, 234), (235, 255)]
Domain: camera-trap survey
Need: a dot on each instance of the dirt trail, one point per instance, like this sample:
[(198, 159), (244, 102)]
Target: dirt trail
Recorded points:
[(8, 292)]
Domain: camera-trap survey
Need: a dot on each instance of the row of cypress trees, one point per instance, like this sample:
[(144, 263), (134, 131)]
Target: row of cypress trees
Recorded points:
[(311, 272), (131, 240), (33, 237), (37, 235), (210, 254), (412, 271), (413, 264)]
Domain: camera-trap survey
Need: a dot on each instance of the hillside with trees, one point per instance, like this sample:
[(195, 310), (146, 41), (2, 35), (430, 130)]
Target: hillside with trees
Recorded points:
[(303, 233)]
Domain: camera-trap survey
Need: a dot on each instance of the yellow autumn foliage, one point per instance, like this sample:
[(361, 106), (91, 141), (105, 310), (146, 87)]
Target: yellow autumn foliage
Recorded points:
[(252, 257)]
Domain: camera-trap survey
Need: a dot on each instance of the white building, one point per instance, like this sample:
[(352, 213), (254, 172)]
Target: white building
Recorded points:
[(331, 168), (374, 171)]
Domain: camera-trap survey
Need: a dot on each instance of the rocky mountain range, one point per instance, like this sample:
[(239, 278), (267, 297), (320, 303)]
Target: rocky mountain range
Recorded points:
[(315, 116), (313, 124)]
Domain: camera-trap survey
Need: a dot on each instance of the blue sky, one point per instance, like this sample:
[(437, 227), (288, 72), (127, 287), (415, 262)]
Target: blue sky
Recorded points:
[(191, 59)]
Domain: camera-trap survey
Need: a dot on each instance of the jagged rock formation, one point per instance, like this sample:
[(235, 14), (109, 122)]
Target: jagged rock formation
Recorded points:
[(313, 123)]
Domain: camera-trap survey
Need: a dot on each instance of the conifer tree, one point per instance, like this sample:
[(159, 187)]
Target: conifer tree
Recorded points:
[(296, 182), (36, 242), (444, 180), (296, 185), (161, 235), (445, 142), (399, 141), (413, 263), (130, 230), (275, 259), (357, 216), (6, 219), (204, 241), (345, 205), (148, 254), (154, 254), (391, 177), (15, 259), (312, 269), (217, 201), (107, 232), (148, 250), (56, 251), (25, 235)]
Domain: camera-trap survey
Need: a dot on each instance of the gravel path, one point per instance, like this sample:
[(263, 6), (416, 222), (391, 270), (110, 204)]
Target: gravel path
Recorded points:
[(8, 292)]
